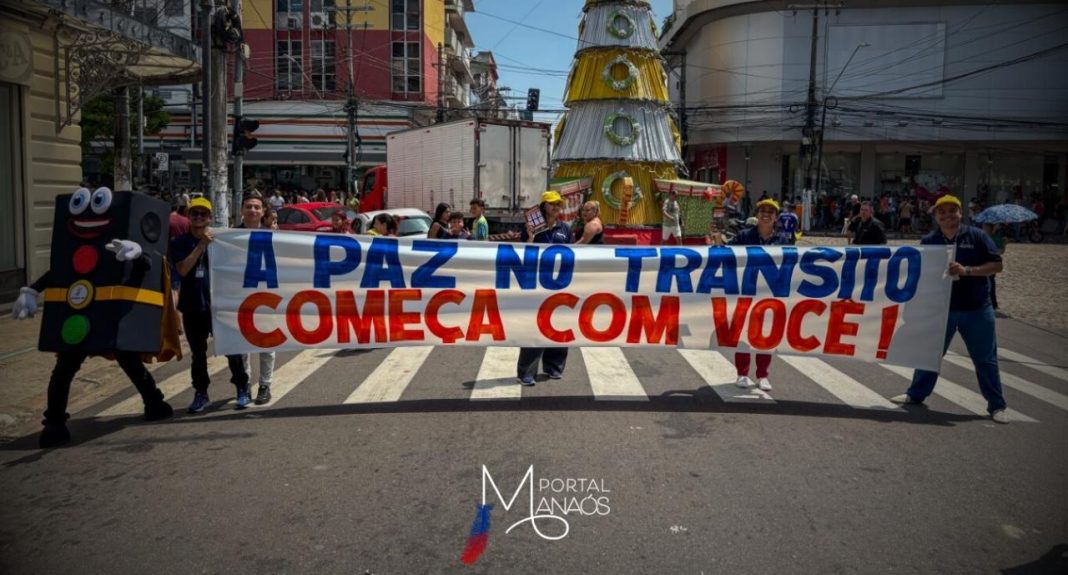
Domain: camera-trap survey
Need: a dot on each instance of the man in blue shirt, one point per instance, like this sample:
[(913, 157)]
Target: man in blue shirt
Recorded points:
[(970, 311), (788, 222), (189, 252)]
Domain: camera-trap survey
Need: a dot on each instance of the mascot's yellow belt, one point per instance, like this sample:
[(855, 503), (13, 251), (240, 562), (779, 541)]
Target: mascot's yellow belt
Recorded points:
[(81, 293)]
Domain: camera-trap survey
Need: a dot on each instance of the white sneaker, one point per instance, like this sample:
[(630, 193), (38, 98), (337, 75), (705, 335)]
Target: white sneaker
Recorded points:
[(744, 382), (1000, 416), (904, 399), (764, 384)]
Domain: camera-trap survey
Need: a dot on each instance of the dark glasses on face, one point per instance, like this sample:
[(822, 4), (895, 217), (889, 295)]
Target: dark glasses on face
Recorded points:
[(199, 214)]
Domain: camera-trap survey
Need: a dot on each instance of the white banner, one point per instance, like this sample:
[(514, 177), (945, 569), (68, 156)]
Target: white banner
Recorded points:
[(290, 290)]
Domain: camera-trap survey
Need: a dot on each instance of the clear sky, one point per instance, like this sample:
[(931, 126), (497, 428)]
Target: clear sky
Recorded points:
[(528, 57)]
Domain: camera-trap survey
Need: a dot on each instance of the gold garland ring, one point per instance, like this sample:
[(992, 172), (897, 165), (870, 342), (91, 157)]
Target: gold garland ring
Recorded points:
[(624, 84), (610, 198)]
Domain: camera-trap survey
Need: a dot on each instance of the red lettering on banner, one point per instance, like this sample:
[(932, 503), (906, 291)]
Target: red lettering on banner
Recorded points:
[(247, 325), (728, 334), (295, 321), (666, 324), (350, 318), (545, 314), (447, 334), (400, 319), (485, 305), (615, 327), (837, 327), (757, 339), (797, 317)]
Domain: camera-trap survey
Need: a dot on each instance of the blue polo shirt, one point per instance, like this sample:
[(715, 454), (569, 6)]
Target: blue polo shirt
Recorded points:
[(974, 248), (751, 237), (558, 234), (194, 295)]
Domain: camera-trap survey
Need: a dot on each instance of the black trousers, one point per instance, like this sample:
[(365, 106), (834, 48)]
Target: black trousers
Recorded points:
[(67, 365), (197, 330), (552, 358)]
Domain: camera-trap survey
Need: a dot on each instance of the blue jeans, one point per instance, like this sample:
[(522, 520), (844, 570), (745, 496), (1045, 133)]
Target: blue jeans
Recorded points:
[(977, 329)]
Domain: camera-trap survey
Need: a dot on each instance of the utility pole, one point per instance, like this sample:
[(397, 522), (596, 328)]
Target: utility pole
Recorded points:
[(350, 110), (206, 7), (238, 185), (141, 135), (217, 175), (683, 129), (441, 83), (808, 134), (123, 176)]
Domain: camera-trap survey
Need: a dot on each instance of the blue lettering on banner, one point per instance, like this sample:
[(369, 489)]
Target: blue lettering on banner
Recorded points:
[(669, 271), (871, 270), (525, 271), (383, 264), (849, 273), (634, 265), (547, 264), (260, 263), (324, 267), (810, 266), (912, 257), (760, 262), (720, 259), (424, 277)]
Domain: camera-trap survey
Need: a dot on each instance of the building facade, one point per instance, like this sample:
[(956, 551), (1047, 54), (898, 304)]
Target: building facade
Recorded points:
[(968, 97), (54, 56), (400, 61)]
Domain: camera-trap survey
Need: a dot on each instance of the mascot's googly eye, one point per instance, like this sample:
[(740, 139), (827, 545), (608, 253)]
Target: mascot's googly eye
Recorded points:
[(79, 201), (101, 200)]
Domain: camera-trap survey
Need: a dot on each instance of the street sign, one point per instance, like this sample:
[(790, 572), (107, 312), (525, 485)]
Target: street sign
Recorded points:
[(162, 162)]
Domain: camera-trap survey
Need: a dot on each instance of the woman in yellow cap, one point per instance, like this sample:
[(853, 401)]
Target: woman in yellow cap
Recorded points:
[(555, 231), (764, 233)]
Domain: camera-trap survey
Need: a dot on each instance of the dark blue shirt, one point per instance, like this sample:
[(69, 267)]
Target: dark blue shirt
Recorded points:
[(751, 237), (558, 234), (194, 295), (974, 248), (788, 222)]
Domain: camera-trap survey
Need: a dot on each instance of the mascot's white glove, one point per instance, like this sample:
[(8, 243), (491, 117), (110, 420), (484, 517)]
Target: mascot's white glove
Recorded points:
[(125, 250), (26, 304)]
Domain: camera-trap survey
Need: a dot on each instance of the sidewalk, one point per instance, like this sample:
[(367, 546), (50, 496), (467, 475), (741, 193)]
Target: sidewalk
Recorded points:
[(24, 383)]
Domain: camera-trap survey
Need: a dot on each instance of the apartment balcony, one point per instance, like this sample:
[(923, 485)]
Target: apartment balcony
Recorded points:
[(458, 55), (454, 14), (457, 94)]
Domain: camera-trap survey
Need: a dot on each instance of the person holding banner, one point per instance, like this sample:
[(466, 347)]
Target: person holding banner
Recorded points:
[(556, 231), (970, 310), (764, 233), (190, 254), (252, 217)]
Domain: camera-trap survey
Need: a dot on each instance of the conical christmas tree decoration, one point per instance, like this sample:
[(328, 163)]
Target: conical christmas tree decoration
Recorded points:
[(618, 122)]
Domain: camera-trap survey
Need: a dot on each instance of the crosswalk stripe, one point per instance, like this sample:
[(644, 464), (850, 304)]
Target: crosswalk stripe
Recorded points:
[(610, 374), (1017, 383), (497, 375), (170, 387), (960, 395), (1027, 361), (389, 380), (840, 385), (295, 371), (720, 374)]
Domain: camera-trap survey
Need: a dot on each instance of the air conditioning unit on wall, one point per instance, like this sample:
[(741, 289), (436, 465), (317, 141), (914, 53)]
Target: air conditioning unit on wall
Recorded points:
[(320, 20), (287, 21)]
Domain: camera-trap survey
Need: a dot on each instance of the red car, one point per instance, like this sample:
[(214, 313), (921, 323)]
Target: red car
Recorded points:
[(312, 217)]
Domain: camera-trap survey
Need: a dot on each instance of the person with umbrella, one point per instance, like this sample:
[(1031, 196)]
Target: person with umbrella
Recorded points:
[(970, 312)]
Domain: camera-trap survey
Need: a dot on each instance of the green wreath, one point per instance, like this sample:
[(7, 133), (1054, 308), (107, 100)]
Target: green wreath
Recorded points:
[(611, 199), (617, 139), (622, 32), (624, 84)]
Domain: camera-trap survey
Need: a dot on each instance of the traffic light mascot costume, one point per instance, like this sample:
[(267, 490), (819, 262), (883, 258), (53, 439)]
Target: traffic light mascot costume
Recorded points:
[(104, 296)]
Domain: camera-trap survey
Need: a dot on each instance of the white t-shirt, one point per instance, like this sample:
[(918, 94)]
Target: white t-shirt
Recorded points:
[(276, 202)]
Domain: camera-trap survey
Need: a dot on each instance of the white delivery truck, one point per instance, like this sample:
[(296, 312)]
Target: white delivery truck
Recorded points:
[(503, 162)]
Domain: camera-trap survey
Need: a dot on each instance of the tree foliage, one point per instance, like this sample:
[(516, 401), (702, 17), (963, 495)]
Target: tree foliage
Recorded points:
[(99, 125)]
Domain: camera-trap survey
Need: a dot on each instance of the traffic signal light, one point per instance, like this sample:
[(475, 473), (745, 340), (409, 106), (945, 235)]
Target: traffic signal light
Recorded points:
[(243, 139), (532, 99)]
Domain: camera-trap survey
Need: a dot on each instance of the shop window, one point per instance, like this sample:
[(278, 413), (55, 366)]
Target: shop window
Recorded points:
[(406, 67), (324, 65), (287, 70)]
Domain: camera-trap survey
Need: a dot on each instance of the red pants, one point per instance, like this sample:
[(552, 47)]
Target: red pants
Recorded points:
[(741, 361)]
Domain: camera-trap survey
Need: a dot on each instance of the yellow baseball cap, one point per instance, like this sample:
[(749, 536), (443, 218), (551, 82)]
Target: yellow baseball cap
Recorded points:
[(551, 197), (200, 203), (947, 199), (768, 202)]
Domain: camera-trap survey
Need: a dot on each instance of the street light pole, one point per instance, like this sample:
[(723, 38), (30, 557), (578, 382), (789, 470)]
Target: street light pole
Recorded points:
[(823, 120)]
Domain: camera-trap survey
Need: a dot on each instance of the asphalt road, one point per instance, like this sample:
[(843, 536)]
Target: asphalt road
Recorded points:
[(686, 479)]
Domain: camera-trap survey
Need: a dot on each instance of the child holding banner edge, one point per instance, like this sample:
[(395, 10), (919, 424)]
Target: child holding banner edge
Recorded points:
[(556, 231), (764, 233)]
